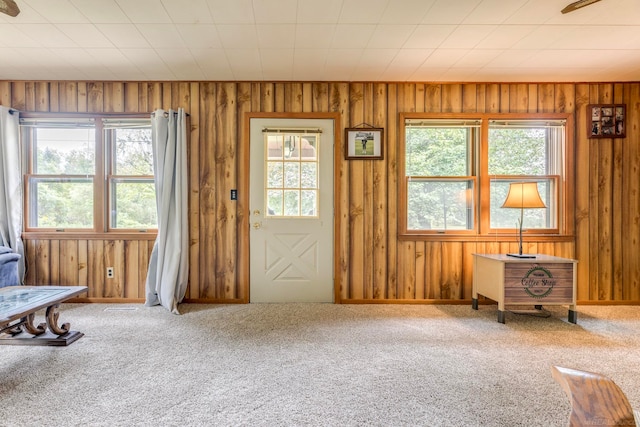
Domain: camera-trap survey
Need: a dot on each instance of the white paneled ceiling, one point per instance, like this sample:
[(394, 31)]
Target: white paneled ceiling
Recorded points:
[(327, 40)]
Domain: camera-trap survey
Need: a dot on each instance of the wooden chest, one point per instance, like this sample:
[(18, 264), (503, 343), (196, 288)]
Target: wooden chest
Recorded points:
[(543, 280)]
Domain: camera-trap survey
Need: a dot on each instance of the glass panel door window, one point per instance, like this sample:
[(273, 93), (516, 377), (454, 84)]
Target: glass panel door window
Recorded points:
[(292, 179)]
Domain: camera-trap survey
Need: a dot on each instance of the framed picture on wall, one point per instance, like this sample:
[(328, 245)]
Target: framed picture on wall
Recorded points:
[(606, 121), (363, 143)]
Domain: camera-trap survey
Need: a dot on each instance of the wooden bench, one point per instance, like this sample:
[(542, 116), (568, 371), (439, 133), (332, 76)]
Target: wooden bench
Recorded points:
[(18, 306), (595, 399)]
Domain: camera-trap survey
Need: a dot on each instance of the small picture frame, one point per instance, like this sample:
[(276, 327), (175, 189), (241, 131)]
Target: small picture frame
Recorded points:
[(606, 121), (363, 143)]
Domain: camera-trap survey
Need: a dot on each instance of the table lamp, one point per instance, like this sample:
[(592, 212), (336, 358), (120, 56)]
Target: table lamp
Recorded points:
[(523, 195)]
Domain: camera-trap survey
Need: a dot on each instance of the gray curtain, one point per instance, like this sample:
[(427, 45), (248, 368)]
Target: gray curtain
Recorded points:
[(169, 263), (11, 186)]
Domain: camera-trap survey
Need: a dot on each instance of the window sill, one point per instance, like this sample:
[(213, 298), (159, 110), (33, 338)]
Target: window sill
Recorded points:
[(450, 237), (83, 235)]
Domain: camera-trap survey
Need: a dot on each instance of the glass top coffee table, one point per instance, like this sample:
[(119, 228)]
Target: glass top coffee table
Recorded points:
[(18, 306)]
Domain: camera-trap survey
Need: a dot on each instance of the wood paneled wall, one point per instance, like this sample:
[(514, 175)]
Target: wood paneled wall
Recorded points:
[(372, 264)]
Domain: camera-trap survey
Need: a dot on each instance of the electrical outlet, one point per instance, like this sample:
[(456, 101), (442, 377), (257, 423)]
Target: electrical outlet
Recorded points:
[(109, 272)]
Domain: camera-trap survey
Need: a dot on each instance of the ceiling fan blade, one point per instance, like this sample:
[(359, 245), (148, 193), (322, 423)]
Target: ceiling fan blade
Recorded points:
[(577, 5), (9, 7)]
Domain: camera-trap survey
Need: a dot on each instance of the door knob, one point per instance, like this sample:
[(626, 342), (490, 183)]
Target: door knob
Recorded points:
[(256, 225), (256, 212)]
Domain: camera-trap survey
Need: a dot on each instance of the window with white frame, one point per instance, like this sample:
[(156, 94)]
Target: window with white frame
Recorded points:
[(526, 151), (131, 190), (456, 170), (440, 174), (88, 174)]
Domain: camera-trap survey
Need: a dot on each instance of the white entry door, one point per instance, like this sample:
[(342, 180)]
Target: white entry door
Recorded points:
[(291, 218)]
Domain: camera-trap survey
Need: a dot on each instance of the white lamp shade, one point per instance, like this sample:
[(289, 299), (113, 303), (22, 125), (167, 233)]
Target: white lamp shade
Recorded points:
[(523, 195)]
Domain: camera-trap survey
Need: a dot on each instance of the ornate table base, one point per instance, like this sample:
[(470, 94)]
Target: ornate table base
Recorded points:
[(18, 307)]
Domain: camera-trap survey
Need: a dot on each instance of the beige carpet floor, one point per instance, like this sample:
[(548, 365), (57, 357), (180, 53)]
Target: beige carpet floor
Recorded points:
[(314, 364)]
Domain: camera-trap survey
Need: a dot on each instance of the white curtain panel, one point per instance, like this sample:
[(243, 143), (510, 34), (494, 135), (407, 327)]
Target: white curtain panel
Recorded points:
[(167, 277), (11, 185)]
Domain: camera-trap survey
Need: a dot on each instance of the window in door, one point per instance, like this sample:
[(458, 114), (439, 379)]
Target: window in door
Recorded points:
[(292, 174)]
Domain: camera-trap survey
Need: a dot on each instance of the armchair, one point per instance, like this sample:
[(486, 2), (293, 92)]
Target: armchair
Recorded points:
[(8, 267)]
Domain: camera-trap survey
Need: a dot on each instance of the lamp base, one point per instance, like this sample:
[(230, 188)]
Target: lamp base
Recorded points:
[(522, 255)]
